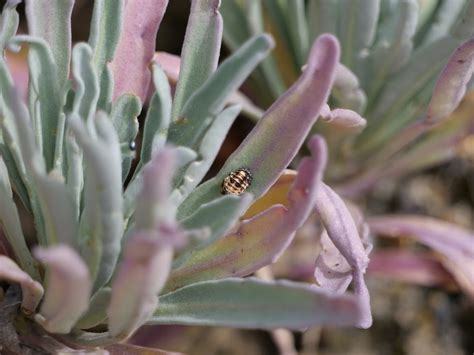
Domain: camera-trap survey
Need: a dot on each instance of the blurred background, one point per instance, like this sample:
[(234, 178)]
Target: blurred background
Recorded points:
[(408, 319)]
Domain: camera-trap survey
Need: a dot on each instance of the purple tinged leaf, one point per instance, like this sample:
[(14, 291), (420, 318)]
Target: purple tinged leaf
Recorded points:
[(341, 227), (343, 118), (258, 241), (148, 253), (362, 294), (68, 288), (451, 85), (32, 290), (332, 272), (342, 230), (277, 137), (455, 244), (419, 268), (136, 47), (153, 207), (170, 63), (141, 275)]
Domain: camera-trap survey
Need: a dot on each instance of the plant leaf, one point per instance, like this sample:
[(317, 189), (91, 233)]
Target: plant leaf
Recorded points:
[(158, 116), (258, 241), (136, 46), (204, 105), (104, 36), (252, 303), (51, 21), (277, 137), (451, 85), (201, 49), (455, 244), (102, 218), (9, 22), (68, 288), (44, 95), (32, 291), (86, 82)]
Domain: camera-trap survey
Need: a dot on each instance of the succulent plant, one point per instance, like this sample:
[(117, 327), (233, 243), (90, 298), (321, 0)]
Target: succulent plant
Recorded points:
[(405, 67), (123, 239)]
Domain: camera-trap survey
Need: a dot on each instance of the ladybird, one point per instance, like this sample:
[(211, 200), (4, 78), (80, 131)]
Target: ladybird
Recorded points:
[(237, 182)]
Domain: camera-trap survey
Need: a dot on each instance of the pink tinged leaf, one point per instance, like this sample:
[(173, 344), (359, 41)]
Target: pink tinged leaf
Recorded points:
[(451, 85), (32, 290), (68, 288), (342, 230), (153, 207), (131, 63), (170, 63), (332, 271), (419, 268), (341, 227), (279, 134), (258, 241), (343, 118), (149, 252), (453, 243), (141, 275), (273, 143), (362, 294)]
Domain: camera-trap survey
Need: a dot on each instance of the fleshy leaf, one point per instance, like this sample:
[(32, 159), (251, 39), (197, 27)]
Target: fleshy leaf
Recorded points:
[(31, 289), (96, 313), (201, 49), (358, 29), (203, 106), (149, 252), (277, 137), (189, 176), (451, 85), (86, 82), (332, 272), (158, 116), (343, 118), (229, 207), (260, 240), (11, 225), (153, 205), (140, 276), (420, 268), (101, 220), (51, 21), (455, 244), (68, 289), (347, 90), (393, 52), (341, 227), (130, 65), (57, 208), (104, 36), (124, 115), (9, 22), (44, 95), (252, 303)]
